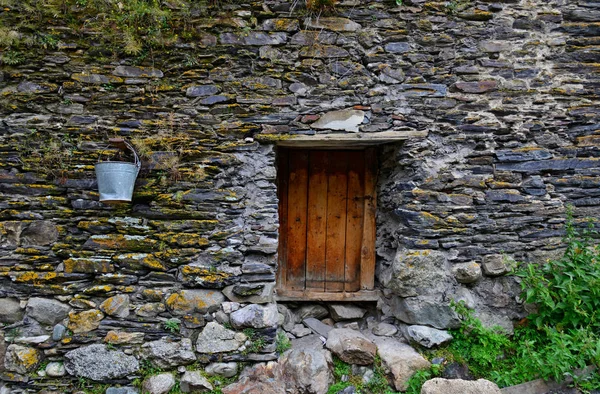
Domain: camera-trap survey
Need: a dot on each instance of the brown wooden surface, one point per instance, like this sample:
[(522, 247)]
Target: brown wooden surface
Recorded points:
[(297, 208), (336, 221), (317, 220), (354, 220), (364, 295), (367, 270), (327, 224), (282, 191)]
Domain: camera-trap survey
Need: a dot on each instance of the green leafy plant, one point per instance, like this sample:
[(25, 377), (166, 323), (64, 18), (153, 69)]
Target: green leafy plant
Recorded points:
[(257, 342), (420, 377), (282, 342), (342, 372), (479, 346), (172, 325), (13, 58), (566, 292), (559, 339)]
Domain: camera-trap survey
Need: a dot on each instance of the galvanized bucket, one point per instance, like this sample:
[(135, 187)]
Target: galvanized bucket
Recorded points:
[(116, 179)]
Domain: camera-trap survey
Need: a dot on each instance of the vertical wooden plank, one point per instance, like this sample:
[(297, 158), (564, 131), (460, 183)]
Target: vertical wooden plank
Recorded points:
[(297, 207), (354, 219), (282, 194), (336, 221), (367, 270), (317, 220)]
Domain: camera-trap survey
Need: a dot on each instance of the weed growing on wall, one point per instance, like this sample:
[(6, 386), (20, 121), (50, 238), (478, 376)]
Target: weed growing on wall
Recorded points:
[(344, 377), (282, 342), (131, 27)]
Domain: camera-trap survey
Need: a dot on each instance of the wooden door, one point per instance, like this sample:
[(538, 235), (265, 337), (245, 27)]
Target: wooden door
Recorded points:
[(327, 223)]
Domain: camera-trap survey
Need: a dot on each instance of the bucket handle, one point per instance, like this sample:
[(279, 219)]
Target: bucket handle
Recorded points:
[(123, 144)]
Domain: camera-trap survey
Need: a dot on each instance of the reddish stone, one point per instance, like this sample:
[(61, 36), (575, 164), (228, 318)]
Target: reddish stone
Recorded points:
[(310, 118), (477, 87)]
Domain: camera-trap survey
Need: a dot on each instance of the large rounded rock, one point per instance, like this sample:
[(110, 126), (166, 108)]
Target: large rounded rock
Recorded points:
[(40, 233), (307, 370), (227, 370), (351, 346), (117, 306), (418, 272), (21, 359), (85, 321), (467, 272), (346, 312), (194, 382), (55, 369), (98, 363), (259, 379), (255, 316), (426, 336), (167, 354), (496, 264), (217, 339), (458, 386), (425, 310), (186, 302), (315, 311), (158, 384), (47, 311), (400, 360), (10, 310)]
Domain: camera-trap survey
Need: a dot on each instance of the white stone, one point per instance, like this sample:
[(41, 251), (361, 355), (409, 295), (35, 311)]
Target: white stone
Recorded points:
[(227, 370), (32, 340), (426, 336), (55, 369), (459, 386), (158, 384), (347, 120)]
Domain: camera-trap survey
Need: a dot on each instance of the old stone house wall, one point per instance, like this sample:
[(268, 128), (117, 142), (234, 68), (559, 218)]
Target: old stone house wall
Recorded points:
[(501, 99)]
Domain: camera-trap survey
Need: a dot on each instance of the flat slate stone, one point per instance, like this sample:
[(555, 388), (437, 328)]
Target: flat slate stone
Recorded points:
[(201, 90), (347, 120), (397, 47), (477, 87), (318, 327), (333, 23), (137, 72)]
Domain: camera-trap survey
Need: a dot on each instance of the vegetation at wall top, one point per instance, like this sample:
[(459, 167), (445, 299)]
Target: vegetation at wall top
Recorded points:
[(131, 27)]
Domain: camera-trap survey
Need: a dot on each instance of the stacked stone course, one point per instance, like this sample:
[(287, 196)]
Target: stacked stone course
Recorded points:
[(504, 94)]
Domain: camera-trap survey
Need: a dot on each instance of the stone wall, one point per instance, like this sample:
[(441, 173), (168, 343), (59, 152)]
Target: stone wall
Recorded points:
[(503, 94)]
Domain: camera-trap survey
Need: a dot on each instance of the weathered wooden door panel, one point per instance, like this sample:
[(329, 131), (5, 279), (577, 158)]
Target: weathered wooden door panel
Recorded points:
[(354, 220), (367, 270), (317, 221), (327, 218), (297, 210), (336, 221)]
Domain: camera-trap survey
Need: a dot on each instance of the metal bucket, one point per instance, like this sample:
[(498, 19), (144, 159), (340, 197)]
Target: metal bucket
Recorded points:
[(116, 179)]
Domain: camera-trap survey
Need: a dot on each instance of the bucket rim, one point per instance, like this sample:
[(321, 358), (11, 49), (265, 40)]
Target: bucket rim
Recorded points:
[(115, 162)]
